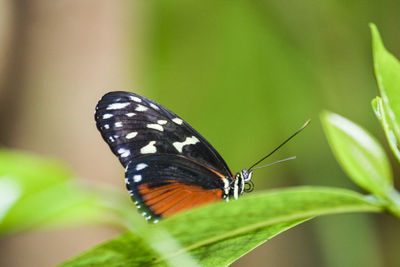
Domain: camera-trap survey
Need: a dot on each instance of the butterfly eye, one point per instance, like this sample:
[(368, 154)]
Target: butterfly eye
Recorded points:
[(248, 176)]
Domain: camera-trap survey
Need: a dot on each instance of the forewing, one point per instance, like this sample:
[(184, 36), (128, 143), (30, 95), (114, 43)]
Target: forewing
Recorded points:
[(135, 126), (163, 185)]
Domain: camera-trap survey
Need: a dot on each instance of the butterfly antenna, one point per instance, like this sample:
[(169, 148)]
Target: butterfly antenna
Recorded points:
[(282, 160), (283, 143)]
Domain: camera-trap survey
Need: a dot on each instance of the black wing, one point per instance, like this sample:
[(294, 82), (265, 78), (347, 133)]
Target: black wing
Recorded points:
[(134, 126), (163, 185)]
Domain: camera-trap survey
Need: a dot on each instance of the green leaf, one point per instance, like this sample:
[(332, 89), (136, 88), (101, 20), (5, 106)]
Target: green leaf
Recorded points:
[(37, 193), (359, 154), (387, 72), (382, 115), (225, 252), (218, 234)]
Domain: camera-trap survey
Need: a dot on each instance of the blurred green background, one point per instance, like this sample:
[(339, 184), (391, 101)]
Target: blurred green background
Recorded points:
[(245, 74)]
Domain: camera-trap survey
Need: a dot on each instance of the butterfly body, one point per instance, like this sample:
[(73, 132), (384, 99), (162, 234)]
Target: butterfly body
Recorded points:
[(169, 166)]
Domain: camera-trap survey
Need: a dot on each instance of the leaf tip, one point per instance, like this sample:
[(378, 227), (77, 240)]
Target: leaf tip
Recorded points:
[(376, 38), (374, 101), (372, 26)]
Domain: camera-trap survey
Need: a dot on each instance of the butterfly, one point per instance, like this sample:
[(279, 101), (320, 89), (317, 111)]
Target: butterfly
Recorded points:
[(169, 166)]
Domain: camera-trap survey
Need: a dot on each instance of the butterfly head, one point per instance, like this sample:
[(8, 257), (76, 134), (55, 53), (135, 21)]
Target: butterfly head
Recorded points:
[(248, 183)]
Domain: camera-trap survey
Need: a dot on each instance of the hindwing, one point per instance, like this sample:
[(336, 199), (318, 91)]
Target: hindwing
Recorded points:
[(162, 185)]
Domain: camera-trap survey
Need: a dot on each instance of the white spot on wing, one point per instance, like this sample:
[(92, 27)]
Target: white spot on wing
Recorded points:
[(154, 106), (107, 116), (130, 114), (111, 139), (155, 127), (106, 126), (189, 141), (141, 166), (117, 106), (137, 178), (118, 124), (162, 122), (141, 108), (149, 148), (131, 135), (177, 121), (127, 181), (136, 99), (123, 152)]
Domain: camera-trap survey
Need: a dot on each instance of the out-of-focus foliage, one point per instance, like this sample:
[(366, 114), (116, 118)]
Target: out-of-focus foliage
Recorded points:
[(39, 193)]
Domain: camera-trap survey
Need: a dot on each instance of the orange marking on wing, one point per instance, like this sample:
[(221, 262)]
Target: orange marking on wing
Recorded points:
[(185, 204), (175, 197), (150, 193), (151, 201), (169, 202), (145, 188), (194, 200)]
